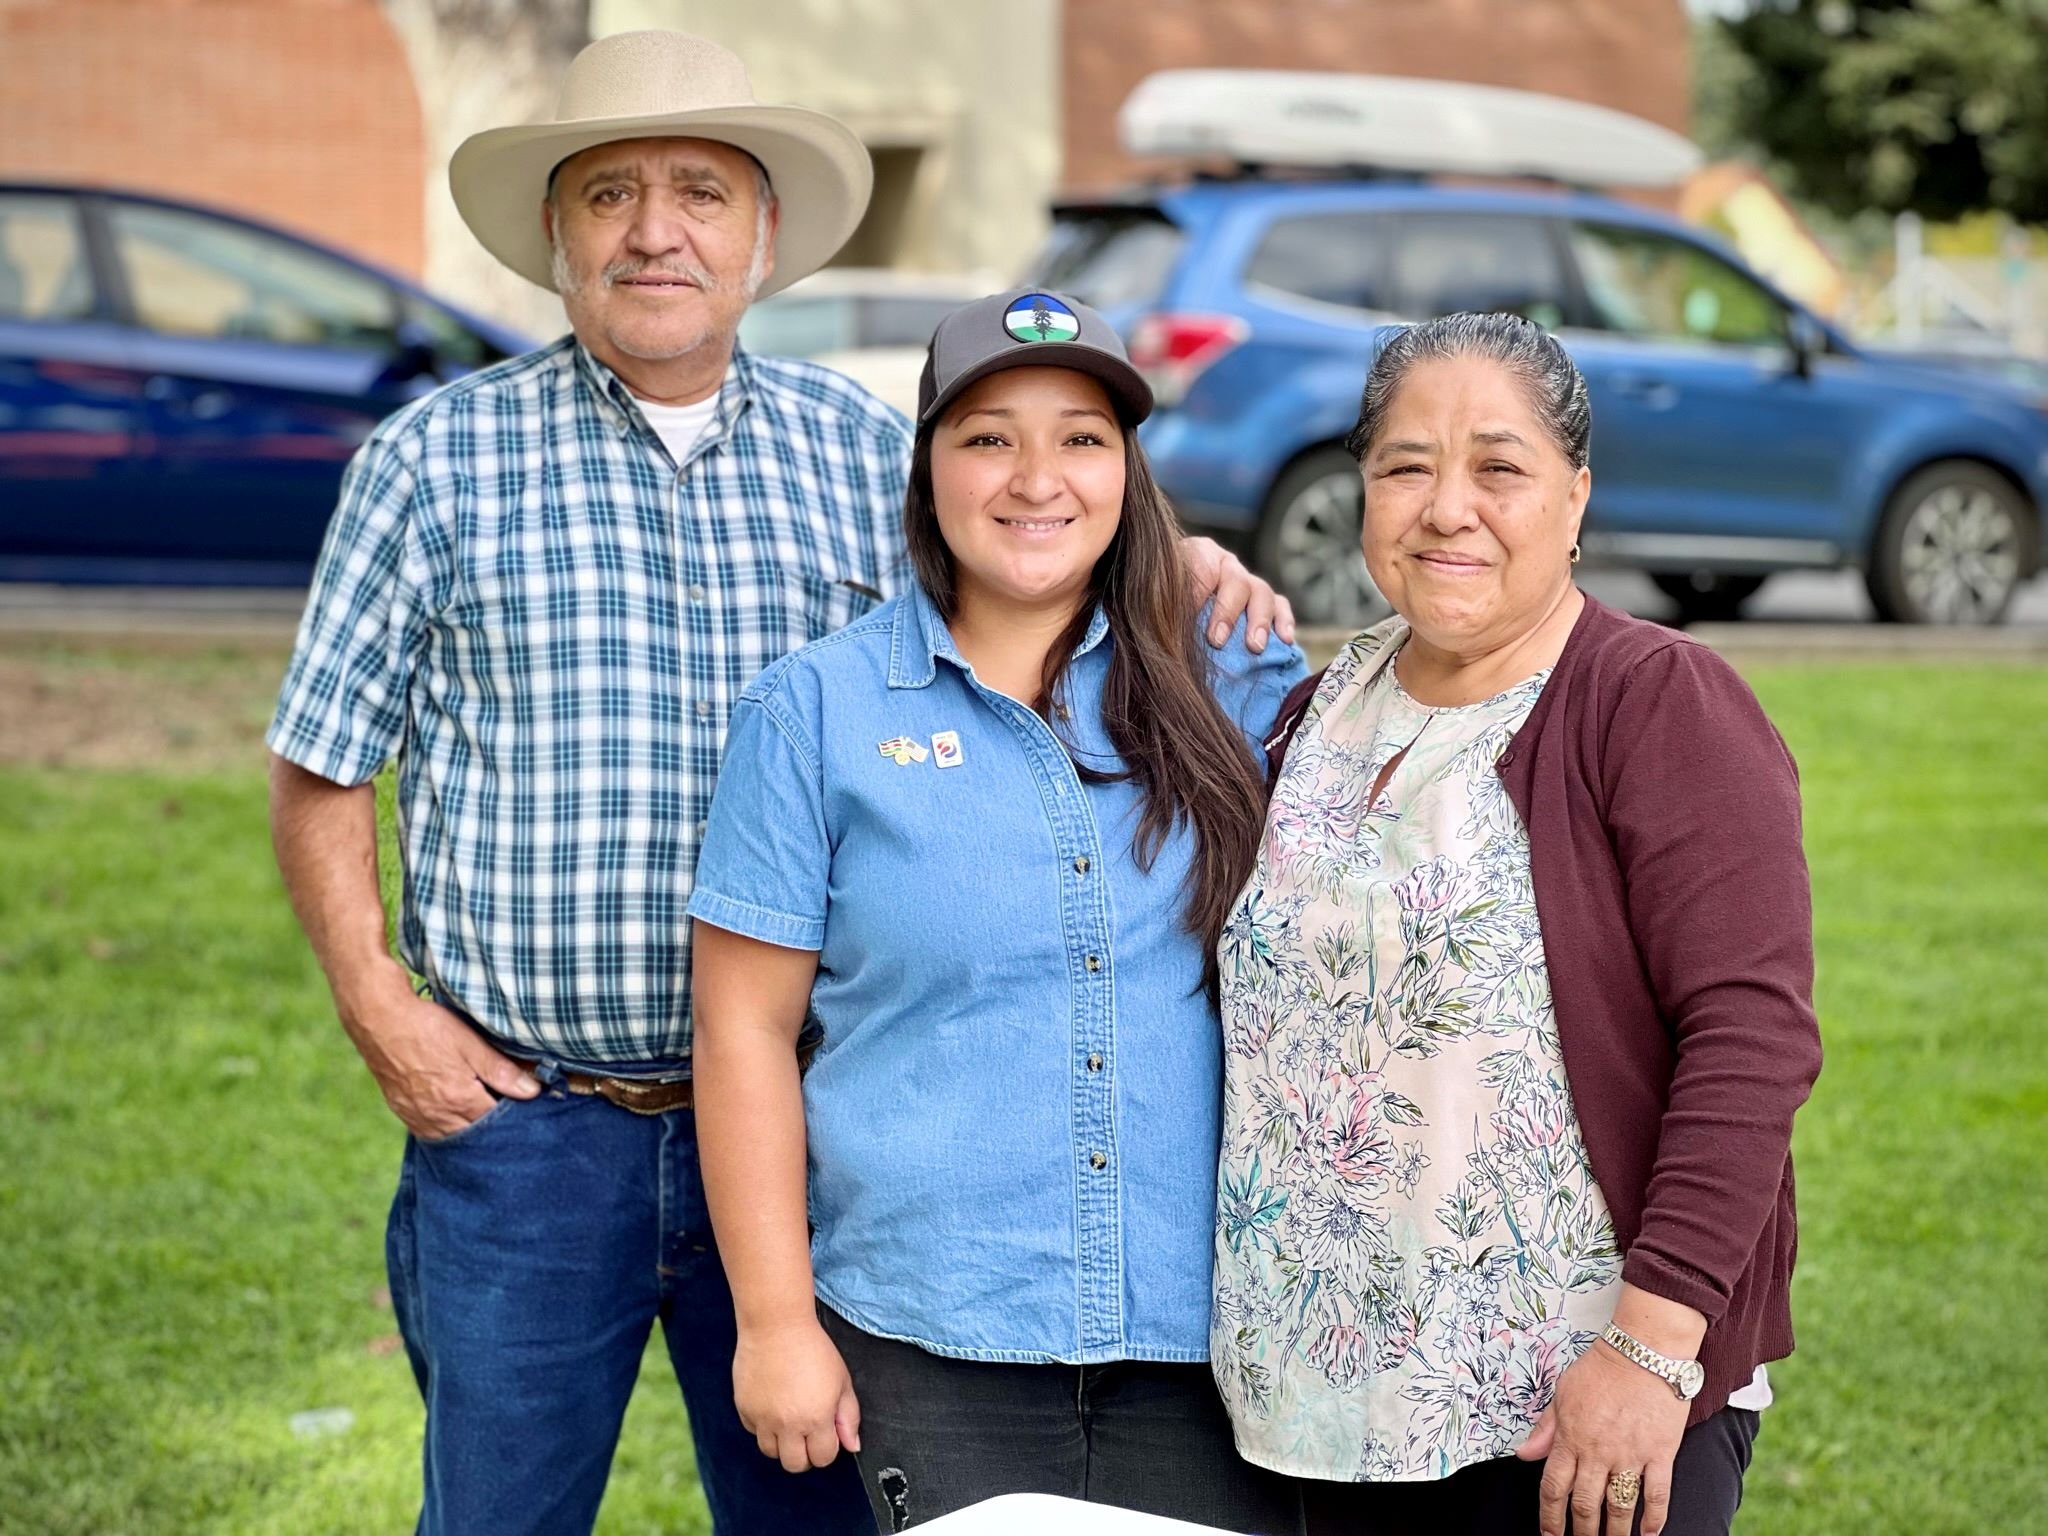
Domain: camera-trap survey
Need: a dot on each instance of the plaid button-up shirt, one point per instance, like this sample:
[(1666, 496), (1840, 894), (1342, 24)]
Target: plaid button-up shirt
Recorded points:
[(547, 620)]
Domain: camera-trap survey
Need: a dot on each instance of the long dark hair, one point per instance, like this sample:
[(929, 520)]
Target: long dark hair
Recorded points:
[(1189, 760)]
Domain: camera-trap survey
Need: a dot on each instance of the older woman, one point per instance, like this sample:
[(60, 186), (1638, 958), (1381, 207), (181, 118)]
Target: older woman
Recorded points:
[(1517, 1006)]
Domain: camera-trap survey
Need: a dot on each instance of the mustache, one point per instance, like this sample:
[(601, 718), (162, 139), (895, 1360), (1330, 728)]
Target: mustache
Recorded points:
[(673, 266), (569, 283)]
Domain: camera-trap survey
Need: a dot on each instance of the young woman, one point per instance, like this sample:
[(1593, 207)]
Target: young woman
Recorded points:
[(985, 839)]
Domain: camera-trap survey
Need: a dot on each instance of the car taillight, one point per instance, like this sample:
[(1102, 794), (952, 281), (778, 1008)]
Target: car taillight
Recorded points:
[(1171, 351)]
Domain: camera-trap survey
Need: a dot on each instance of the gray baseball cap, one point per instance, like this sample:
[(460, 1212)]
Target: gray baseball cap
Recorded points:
[(1028, 328)]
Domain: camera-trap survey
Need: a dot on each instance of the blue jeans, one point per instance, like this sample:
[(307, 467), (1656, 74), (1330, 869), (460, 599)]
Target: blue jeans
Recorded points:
[(530, 1253)]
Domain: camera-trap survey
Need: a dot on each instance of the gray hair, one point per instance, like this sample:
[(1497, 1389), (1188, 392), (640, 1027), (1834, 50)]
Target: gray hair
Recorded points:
[(763, 187), (1556, 391)]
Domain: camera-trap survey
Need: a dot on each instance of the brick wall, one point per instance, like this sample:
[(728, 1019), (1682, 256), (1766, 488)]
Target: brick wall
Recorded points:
[(301, 112), (1628, 54)]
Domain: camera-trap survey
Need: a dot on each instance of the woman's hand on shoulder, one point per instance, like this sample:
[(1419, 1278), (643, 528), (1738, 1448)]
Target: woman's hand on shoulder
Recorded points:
[(794, 1394), (1609, 1415)]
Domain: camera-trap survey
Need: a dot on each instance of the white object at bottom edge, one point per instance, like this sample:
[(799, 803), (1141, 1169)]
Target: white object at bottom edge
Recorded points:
[(1035, 1514)]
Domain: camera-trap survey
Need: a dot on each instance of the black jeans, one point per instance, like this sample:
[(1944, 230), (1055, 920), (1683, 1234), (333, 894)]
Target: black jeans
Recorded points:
[(938, 1434), (1503, 1496)]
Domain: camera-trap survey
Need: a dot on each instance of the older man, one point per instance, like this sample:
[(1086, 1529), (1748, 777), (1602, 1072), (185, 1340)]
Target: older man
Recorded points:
[(542, 592)]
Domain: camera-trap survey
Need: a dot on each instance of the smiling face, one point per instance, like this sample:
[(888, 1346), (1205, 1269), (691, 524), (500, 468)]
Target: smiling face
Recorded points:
[(660, 245), (1028, 486), (1471, 508)]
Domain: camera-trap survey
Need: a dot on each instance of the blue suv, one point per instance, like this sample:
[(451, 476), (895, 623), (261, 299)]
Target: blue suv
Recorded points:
[(1734, 433), (180, 389)]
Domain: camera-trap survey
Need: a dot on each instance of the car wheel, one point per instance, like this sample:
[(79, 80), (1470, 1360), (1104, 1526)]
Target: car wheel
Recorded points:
[(1308, 542), (1704, 598), (1953, 546)]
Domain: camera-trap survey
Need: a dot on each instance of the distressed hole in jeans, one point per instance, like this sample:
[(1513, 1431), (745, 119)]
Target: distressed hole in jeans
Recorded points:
[(896, 1494)]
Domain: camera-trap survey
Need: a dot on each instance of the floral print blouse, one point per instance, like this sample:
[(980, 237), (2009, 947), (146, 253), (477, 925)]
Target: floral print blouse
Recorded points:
[(1410, 1246)]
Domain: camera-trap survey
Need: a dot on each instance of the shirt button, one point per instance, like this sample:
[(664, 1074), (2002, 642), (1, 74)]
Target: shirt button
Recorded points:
[(1081, 866), (1097, 1161), (1095, 1061), (703, 709), (1094, 962), (702, 828), (696, 594)]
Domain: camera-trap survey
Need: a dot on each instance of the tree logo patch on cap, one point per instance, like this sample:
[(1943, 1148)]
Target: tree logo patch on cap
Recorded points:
[(1040, 317)]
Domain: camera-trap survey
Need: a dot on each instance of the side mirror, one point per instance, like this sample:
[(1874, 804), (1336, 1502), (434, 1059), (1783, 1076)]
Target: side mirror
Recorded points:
[(1803, 334), (413, 358)]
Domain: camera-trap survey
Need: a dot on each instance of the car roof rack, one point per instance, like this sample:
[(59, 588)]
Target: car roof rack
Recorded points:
[(1267, 122), (1260, 170)]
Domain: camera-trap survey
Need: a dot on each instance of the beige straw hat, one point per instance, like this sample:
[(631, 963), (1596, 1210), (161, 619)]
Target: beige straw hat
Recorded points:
[(654, 85)]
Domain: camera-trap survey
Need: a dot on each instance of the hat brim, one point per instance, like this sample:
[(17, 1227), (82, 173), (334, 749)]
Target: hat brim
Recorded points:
[(821, 173), (1127, 387)]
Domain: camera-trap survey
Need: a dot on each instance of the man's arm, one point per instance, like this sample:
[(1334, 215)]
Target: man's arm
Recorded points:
[(436, 1072)]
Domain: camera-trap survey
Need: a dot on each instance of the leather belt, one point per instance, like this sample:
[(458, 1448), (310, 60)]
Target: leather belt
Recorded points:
[(638, 1095)]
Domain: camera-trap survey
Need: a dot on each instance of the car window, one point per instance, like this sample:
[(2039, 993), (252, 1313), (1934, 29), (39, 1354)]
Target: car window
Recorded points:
[(1642, 283), (1444, 264), (44, 274), (191, 275), (902, 320), (1333, 258), (454, 343), (1109, 256), (799, 326)]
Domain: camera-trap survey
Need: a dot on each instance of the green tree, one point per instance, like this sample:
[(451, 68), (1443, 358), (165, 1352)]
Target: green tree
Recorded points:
[(1937, 106), (1722, 80)]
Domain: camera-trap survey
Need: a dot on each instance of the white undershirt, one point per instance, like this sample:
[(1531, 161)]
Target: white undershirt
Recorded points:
[(679, 426)]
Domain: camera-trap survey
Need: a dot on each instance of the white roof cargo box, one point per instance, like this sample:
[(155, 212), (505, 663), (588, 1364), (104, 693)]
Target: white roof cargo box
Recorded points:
[(1277, 117)]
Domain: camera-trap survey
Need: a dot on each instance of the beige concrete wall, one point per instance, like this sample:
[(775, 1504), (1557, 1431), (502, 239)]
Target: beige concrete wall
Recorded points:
[(972, 84)]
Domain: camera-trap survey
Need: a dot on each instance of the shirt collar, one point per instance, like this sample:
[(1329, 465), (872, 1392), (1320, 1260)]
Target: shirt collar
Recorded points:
[(621, 412), (919, 639)]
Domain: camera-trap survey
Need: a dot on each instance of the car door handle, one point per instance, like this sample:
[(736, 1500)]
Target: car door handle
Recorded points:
[(200, 403), (1655, 393)]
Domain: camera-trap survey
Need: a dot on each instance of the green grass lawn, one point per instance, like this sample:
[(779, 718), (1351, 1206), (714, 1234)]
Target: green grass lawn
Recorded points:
[(194, 1168)]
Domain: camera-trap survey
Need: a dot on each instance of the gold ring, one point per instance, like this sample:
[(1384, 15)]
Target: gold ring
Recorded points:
[(1623, 1487)]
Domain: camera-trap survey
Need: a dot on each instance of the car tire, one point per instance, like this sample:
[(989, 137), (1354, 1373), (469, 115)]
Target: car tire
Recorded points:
[(1954, 544), (1704, 598), (1308, 542)]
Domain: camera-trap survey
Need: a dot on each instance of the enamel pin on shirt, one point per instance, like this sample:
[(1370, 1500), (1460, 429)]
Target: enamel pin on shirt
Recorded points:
[(903, 750), (946, 749)]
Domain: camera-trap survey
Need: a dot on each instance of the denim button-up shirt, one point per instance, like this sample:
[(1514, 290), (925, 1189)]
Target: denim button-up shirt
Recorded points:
[(1014, 1117)]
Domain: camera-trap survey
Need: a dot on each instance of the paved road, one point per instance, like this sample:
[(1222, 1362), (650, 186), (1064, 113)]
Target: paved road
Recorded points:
[(1834, 599)]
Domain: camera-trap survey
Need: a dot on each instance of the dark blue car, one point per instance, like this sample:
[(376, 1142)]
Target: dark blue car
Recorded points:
[(1735, 434), (180, 388)]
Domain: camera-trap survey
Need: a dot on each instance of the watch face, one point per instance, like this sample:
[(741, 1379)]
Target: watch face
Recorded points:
[(1691, 1377)]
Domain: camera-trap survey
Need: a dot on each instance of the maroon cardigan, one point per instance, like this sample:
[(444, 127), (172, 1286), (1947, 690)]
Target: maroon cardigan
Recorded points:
[(1663, 817)]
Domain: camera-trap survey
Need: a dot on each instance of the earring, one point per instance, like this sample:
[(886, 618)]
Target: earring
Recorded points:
[(1575, 552)]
